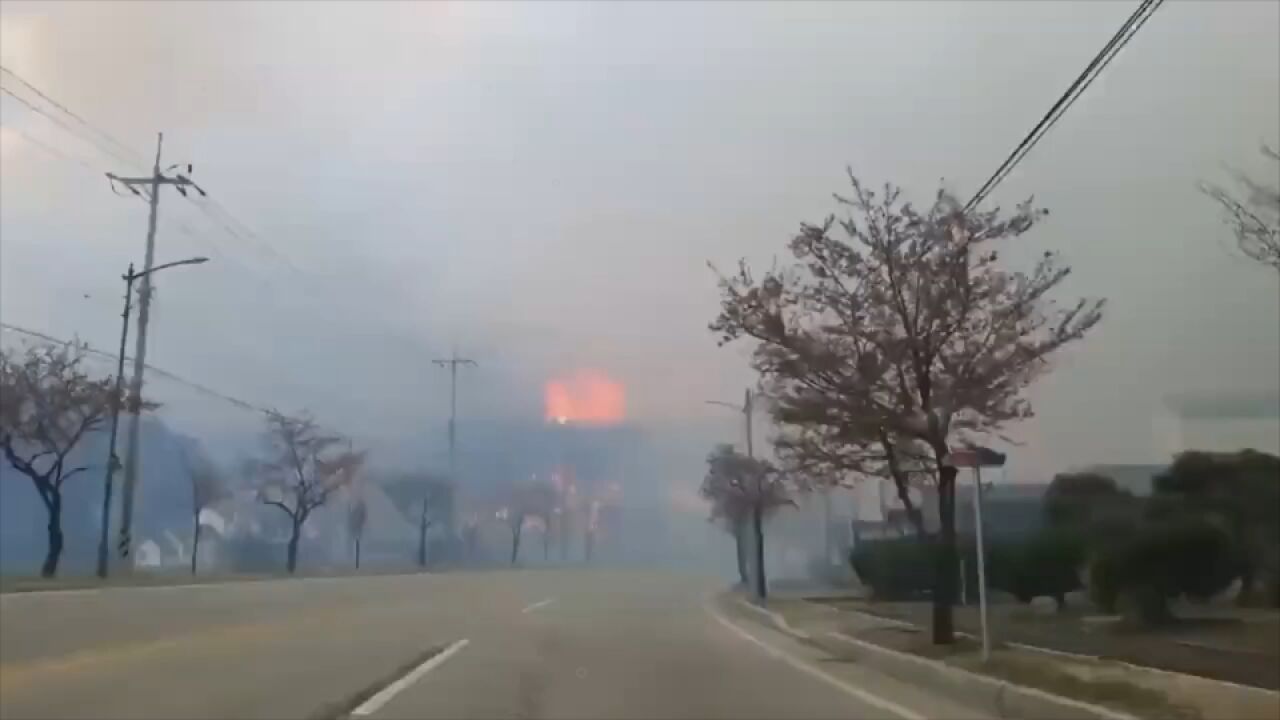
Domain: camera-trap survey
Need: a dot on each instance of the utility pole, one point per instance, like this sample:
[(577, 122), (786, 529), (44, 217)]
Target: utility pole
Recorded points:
[(452, 362), (154, 183), (757, 511)]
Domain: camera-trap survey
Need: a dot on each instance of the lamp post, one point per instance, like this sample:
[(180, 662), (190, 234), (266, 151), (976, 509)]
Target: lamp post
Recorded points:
[(134, 405), (746, 410)]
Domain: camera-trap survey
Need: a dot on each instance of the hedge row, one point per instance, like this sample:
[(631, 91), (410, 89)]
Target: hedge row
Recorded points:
[(1154, 563)]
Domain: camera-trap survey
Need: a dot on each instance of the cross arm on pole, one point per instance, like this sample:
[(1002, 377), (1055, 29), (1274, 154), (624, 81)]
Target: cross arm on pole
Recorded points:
[(178, 181)]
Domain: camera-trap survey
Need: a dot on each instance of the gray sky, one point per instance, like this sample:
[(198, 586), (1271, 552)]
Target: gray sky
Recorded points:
[(542, 184)]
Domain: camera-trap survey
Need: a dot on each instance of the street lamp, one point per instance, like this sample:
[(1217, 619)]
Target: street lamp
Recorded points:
[(135, 403), (746, 410)]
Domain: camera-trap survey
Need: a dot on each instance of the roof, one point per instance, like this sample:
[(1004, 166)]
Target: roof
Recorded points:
[(1137, 479)]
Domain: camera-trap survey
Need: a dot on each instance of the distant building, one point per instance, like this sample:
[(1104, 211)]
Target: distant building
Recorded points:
[(1137, 479), (1221, 421)]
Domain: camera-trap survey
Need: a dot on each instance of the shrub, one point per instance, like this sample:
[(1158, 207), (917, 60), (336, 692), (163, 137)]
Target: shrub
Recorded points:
[(1162, 560), (1045, 565), (894, 569), (903, 568)]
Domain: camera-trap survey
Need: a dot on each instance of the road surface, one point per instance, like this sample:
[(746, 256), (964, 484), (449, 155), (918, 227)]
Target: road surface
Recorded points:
[(518, 644)]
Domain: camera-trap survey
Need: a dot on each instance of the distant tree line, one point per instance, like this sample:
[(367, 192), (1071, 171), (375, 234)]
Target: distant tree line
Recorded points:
[(50, 404)]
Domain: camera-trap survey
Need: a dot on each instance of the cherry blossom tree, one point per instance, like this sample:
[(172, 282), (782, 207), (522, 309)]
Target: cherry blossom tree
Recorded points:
[(1254, 216), (887, 346)]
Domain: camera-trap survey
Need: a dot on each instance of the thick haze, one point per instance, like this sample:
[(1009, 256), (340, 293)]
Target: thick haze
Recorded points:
[(542, 185)]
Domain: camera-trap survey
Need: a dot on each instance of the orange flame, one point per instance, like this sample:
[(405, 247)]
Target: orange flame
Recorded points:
[(587, 397)]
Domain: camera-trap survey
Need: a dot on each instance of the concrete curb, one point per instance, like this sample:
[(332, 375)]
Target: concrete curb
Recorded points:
[(1257, 693), (999, 698), (1249, 693), (777, 619)]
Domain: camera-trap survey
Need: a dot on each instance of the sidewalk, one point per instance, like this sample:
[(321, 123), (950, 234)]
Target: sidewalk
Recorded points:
[(1103, 688), (1241, 647)]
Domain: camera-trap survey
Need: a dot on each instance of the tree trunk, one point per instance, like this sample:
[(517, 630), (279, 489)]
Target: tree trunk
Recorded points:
[(291, 560), (515, 542), (944, 578), (901, 484), (757, 523), (421, 543), (357, 552), (565, 527), (589, 543), (739, 541), (422, 536), (195, 541), (54, 552)]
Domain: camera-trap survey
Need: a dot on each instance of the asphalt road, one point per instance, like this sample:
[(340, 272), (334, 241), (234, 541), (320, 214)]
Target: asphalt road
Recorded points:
[(518, 644)]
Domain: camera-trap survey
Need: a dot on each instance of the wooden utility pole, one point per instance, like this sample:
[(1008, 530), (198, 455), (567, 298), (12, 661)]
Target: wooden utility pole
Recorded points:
[(157, 179)]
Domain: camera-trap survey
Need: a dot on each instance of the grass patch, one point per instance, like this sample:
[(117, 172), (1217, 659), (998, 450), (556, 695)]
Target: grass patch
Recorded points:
[(1113, 693)]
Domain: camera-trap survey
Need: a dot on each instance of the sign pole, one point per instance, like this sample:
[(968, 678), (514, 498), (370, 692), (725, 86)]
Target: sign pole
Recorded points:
[(982, 569)]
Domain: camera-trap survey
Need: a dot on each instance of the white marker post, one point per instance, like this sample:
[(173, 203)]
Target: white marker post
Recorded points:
[(976, 458), (982, 565)]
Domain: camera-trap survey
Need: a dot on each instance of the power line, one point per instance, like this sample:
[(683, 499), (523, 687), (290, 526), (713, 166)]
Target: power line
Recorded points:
[(214, 211), (242, 404), (172, 377), (66, 126), (205, 239), (223, 217), (137, 158), (1095, 67), (51, 149)]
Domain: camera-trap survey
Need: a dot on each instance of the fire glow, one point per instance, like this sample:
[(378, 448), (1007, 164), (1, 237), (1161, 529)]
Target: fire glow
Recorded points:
[(587, 397)]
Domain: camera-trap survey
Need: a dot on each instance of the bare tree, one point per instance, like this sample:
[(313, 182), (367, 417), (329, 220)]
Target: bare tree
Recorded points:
[(743, 491), (302, 469), (528, 499), (902, 339), (424, 499), (729, 508), (1255, 217), (48, 404), (208, 487), (357, 518)]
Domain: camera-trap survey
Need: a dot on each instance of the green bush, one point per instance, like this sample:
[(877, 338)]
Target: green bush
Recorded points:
[(903, 568), (894, 569), (1174, 557), (1045, 565)]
